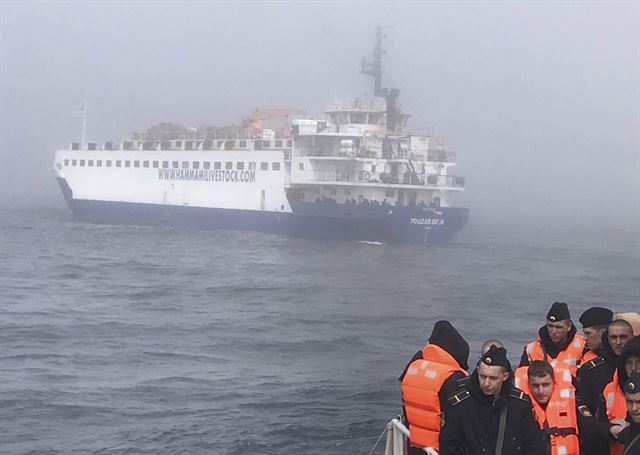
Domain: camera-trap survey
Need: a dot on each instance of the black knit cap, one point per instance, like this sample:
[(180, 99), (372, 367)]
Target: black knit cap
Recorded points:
[(558, 312), (496, 357), (596, 315), (448, 338), (633, 384)]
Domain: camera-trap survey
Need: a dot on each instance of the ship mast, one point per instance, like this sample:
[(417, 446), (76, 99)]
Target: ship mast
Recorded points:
[(374, 68)]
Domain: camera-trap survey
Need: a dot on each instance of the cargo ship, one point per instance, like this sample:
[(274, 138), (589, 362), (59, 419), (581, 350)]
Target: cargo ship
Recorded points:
[(355, 174)]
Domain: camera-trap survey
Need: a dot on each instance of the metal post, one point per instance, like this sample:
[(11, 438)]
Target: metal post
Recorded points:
[(83, 139)]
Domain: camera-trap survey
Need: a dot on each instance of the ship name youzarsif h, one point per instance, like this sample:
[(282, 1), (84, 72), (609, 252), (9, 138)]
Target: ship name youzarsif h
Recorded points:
[(355, 175)]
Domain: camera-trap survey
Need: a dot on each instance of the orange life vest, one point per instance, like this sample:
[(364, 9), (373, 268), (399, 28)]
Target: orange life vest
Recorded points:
[(420, 387), (559, 418), (616, 409), (569, 358)]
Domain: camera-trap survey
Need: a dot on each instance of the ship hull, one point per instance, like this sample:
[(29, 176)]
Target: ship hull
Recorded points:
[(324, 221)]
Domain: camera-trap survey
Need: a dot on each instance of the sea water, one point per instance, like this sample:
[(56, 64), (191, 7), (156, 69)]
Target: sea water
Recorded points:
[(136, 340)]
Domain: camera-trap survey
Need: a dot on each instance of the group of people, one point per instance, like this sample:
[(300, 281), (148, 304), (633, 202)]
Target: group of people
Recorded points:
[(351, 201), (571, 394)]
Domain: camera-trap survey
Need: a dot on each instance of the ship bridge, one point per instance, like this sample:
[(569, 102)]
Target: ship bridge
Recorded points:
[(345, 163), (363, 116)]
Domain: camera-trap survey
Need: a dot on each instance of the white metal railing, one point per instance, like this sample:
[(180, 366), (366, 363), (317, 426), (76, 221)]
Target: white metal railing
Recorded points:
[(397, 435)]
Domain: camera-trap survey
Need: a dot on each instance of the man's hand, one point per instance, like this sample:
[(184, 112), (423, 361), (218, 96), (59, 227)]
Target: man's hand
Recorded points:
[(616, 429)]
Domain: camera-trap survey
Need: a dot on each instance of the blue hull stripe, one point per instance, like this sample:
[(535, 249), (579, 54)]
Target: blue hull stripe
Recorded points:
[(319, 221)]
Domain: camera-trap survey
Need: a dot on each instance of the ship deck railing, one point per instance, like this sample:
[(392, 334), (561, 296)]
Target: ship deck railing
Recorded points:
[(380, 179), (360, 154), (396, 442)]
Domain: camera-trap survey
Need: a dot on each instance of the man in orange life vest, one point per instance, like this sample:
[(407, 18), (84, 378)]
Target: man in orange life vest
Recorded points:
[(596, 369), (557, 343), (613, 405), (428, 379), (630, 436), (555, 408), (489, 416), (595, 374)]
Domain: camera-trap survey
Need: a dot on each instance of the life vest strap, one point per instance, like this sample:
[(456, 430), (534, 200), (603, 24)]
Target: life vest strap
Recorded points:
[(555, 431)]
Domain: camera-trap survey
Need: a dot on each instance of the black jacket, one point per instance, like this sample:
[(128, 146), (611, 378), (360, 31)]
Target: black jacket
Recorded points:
[(631, 348), (594, 433), (628, 438), (548, 345), (594, 375), (471, 423)]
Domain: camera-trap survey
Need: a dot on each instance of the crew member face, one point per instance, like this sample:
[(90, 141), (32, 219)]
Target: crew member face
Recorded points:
[(541, 388), (491, 378), (633, 406), (558, 330), (593, 337), (632, 365), (618, 337)]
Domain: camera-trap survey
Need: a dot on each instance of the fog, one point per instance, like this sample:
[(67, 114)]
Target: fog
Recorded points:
[(540, 101)]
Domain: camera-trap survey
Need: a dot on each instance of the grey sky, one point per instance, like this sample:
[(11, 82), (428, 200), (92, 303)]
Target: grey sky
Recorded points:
[(539, 100)]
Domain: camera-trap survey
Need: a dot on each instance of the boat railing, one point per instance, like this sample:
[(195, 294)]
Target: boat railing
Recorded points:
[(354, 153), (429, 180), (396, 444), (436, 156)]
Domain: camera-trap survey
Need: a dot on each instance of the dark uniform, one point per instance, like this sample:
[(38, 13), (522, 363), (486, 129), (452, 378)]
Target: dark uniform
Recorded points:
[(630, 436), (598, 365), (471, 422), (594, 433), (602, 437), (592, 378), (595, 374), (632, 348)]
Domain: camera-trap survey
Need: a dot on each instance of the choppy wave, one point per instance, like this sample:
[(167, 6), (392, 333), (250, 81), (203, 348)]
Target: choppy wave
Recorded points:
[(134, 340)]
